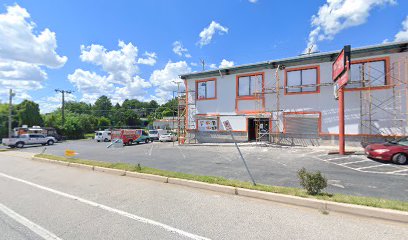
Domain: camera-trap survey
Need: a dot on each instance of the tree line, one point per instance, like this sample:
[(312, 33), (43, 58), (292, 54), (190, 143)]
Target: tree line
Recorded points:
[(82, 118)]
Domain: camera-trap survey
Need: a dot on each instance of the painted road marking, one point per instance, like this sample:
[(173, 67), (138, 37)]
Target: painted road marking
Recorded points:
[(109, 209), (40, 231), (330, 159), (184, 156), (342, 164), (151, 149), (402, 170), (370, 166)]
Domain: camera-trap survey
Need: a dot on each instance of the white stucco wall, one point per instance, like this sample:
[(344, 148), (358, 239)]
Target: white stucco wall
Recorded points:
[(323, 102)]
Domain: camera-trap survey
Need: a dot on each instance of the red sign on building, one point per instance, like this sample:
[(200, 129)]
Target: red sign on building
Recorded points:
[(339, 65)]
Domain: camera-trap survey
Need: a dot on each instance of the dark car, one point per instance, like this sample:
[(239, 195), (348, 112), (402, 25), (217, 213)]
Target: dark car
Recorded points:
[(395, 151)]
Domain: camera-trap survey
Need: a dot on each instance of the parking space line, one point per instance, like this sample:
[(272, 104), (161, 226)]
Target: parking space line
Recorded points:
[(107, 208), (330, 159), (37, 229), (402, 170), (371, 166), (342, 164)]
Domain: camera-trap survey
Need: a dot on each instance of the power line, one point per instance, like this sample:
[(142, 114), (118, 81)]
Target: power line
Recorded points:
[(63, 102)]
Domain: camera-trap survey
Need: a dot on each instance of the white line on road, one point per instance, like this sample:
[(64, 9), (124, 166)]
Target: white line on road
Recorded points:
[(402, 170), (371, 166), (40, 231), (342, 164), (151, 149), (330, 159), (109, 209), (184, 156)]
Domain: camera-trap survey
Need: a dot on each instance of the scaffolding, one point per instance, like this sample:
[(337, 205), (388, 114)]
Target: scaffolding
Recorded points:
[(378, 108), (388, 106)]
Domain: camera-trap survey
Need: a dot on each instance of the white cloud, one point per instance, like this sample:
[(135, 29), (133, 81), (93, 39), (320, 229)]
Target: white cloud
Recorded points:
[(224, 64), (253, 1), (51, 103), (150, 60), (194, 64), (337, 15), (180, 50), (207, 33), (121, 80), (19, 42), (213, 66), (24, 52), (165, 79), (403, 34)]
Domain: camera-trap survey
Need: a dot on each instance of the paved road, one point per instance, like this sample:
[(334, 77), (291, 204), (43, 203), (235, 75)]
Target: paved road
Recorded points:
[(46, 201), (276, 166)]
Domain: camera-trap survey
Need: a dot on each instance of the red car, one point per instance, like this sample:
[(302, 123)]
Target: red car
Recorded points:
[(395, 151)]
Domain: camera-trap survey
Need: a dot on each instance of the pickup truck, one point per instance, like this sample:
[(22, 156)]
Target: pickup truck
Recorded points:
[(28, 139)]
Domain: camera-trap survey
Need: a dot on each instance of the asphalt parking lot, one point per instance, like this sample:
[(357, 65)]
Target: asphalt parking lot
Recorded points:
[(354, 174)]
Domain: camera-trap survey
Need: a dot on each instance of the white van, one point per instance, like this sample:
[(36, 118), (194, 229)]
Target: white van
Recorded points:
[(104, 136), (155, 133)]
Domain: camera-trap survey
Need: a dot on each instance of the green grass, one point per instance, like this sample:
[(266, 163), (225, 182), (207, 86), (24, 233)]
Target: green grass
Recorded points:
[(89, 135), (341, 198)]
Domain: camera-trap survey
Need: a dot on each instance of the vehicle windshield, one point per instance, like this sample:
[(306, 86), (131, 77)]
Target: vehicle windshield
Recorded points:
[(402, 141), (153, 132)]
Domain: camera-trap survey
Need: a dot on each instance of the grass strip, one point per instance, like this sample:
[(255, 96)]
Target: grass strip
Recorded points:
[(340, 198)]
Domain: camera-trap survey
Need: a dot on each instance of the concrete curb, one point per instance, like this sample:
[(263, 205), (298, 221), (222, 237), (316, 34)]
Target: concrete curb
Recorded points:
[(147, 176), (110, 171), (202, 185), (371, 212)]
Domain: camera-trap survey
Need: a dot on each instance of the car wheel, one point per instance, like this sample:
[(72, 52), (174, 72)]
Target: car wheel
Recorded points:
[(50, 142), (130, 142), (137, 142), (12, 146), (97, 140), (147, 141), (106, 140), (20, 145), (400, 158)]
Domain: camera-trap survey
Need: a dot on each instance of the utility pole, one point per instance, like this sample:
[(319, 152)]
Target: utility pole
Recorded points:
[(203, 63), (63, 102), (11, 95)]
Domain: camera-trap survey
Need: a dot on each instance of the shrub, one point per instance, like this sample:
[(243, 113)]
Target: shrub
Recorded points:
[(314, 183)]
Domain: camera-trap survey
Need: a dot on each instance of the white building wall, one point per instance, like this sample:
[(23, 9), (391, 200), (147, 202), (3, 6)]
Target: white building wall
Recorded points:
[(224, 106)]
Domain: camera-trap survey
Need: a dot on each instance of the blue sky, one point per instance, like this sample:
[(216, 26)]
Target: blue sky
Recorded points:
[(244, 32)]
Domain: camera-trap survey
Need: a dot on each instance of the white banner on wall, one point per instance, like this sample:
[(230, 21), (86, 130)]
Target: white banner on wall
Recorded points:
[(208, 125)]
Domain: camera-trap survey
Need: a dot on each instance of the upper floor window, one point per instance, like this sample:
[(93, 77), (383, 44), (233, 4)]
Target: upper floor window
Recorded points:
[(250, 85), (367, 74), (206, 89), (302, 80)]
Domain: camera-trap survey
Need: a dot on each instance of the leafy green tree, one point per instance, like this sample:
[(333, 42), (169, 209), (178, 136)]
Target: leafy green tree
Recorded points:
[(104, 122), (102, 106), (78, 107), (28, 113)]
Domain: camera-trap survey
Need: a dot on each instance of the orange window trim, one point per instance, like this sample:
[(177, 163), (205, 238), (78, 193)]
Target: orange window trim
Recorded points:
[(248, 75), (388, 80), (206, 80), (251, 97), (303, 113), (317, 67)]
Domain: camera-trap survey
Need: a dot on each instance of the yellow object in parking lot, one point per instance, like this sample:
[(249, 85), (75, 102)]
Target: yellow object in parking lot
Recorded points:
[(69, 153)]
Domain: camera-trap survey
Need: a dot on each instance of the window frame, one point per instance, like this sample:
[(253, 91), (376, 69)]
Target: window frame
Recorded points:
[(317, 67), (254, 96), (387, 77), (206, 80)]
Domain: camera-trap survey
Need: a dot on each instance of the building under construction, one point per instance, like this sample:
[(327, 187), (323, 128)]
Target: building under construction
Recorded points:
[(292, 101)]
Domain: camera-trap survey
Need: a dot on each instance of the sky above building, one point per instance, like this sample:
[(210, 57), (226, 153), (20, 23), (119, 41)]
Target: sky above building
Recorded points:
[(137, 49)]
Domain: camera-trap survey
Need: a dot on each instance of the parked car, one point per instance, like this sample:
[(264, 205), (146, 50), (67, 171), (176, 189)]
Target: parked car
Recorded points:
[(130, 136), (103, 136), (155, 134), (28, 139), (395, 151), (168, 137)]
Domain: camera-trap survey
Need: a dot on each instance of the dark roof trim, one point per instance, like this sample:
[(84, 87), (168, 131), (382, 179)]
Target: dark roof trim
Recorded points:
[(385, 48)]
